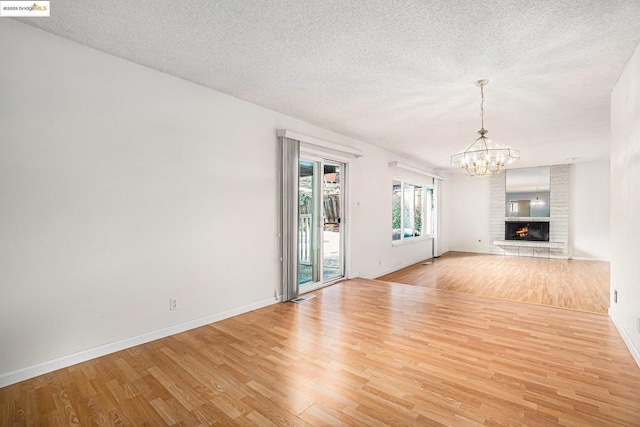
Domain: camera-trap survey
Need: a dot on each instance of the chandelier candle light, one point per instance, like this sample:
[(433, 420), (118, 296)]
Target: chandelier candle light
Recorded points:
[(485, 156)]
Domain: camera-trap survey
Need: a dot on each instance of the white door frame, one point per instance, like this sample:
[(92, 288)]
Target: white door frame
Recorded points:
[(343, 163)]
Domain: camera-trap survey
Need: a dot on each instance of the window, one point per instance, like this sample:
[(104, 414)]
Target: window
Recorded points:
[(411, 211), (513, 208)]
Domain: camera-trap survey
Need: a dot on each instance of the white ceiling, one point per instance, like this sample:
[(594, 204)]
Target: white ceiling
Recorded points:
[(396, 74)]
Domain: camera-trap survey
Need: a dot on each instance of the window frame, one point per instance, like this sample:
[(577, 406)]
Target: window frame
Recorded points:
[(513, 208), (428, 189)]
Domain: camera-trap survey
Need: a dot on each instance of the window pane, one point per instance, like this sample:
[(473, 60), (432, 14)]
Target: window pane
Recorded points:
[(307, 240), (396, 207), (418, 210), (428, 214), (409, 211)]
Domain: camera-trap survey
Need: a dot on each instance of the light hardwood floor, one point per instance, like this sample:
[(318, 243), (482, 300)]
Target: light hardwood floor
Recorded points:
[(362, 353), (572, 284)]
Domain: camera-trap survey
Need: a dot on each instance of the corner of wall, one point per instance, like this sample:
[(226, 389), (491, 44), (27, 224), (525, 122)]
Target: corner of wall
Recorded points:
[(625, 202), (498, 209), (635, 352), (559, 209)]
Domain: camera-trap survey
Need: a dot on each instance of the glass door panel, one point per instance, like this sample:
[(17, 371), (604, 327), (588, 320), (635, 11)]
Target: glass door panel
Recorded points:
[(332, 260), (409, 211), (309, 271)]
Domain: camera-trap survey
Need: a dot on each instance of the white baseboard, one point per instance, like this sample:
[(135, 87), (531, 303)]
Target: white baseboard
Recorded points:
[(92, 353), (537, 257), (627, 340), (396, 268), (473, 250), (579, 258)]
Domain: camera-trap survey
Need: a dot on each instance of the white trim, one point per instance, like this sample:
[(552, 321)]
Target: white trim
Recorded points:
[(473, 250), (396, 268), (527, 219), (92, 353), (312, 151), (414, 182), (345, 164), (408, 240), (310, 140), (437, 224), (632, 348), (530, 244), (581, 258), (414, 169), (346, 224), (314, 286)]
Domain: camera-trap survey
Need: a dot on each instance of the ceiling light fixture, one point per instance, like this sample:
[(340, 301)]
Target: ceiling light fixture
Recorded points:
[(484, 156), (537, 201)]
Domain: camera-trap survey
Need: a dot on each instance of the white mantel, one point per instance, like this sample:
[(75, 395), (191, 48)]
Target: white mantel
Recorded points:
[(527, 219)]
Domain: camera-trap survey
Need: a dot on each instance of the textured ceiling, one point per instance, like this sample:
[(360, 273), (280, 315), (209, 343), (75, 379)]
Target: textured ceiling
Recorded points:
[(398, 74)]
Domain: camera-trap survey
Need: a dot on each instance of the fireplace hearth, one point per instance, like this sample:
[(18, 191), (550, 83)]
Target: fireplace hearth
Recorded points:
[(529, 231)]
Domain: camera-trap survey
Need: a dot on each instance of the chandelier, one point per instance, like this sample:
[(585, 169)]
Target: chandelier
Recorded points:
[(484, 156)]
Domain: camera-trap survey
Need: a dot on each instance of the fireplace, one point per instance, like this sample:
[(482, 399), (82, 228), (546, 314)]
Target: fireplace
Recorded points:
[(530, 231)]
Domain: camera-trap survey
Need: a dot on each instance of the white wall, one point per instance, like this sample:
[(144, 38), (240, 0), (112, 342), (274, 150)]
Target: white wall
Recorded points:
[(446, 228), (121, 187), (589, 211), (467, 204), (625, 204), (372, 253)]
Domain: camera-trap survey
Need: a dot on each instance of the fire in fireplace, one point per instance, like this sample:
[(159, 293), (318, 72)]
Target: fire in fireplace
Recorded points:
[(519, 230)]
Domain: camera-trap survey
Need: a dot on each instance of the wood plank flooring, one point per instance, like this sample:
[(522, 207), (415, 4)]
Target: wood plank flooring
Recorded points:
[(364, 353), (572, 284)]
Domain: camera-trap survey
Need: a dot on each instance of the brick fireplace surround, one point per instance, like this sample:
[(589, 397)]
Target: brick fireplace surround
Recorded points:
[(558, 245)]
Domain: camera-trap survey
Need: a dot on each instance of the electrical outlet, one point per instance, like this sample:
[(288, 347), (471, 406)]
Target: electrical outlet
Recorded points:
[(638, 324), (173, 304), (615, 295)]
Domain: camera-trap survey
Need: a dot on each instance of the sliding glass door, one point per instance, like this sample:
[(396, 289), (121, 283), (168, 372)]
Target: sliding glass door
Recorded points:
[(320, 227)]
